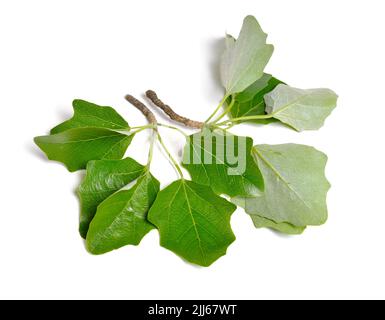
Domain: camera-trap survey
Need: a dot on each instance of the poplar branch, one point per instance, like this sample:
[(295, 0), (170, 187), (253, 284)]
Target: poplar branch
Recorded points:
[(142, 108), (171, 113)]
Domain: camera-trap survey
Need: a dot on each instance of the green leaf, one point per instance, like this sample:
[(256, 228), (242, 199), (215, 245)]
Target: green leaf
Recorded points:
[(295, 185), (193, 221), (103, 178), (284, 227), (250, 102), (244, 59), (75, 147), (300, 109), (224, 162), (121, 219), (87, 114)]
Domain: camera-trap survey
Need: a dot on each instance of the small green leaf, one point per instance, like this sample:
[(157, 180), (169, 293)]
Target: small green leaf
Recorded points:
[(87, 114), (193, 221), (244, 59), (103, 178), (295, 185), (284, 227), (300, 109), (121, 219), (75, 147), (224, 162), (250, 102)]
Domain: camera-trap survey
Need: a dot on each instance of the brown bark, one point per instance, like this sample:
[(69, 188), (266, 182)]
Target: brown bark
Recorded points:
[(142, 108), (173, 115)]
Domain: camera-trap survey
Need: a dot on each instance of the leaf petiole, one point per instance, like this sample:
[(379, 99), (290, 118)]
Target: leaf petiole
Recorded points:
[(226, 111), (140, 128), (173, 128), (235, 120), (151, 150), (173, 161), (217, 108)]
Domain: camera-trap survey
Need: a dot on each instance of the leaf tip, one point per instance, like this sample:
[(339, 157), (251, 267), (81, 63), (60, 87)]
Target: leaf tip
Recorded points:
[(36, 140), (77, 102), (250, 18)]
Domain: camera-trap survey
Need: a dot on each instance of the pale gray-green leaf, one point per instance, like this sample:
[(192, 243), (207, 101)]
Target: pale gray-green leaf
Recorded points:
[(229, 41), (300, 109), (244, 60), (295, 185)]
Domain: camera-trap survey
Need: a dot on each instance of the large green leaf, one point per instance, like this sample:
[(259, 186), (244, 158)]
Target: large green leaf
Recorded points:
[(87, 114), (121, 219), (193, 221), (250, 102), (300, 109), (103, 178), (284, 227), (244, 59), (295, 185), (224, 162), (75, 147)]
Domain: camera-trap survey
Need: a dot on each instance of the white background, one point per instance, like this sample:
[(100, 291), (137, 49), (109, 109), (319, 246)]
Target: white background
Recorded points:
[(54, 51)]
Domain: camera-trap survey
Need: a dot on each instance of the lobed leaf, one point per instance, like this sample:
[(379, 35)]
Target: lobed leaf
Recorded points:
[(87, 114), (103, 178), (300, 109), (193, 221), (295, 185), (224, 162), (75, 147), (122, 218), (244, 59)]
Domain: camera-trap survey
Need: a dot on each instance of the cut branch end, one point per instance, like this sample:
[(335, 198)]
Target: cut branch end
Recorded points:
[(142, 108)]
